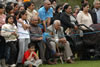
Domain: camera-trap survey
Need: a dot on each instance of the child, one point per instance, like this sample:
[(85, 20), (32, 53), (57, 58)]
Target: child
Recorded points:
[(9, 32), (30, 58)]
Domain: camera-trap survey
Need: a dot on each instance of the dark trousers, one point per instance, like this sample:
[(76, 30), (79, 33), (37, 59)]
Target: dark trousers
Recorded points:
[(2, 47), (40, 46), (11, 52)]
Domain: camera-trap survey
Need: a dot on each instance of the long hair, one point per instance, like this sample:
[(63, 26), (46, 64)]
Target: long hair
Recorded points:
[(65, 7), (8, 18)]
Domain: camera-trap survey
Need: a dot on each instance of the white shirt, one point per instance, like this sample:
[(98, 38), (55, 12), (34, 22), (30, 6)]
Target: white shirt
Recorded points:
[(21, 32), (84, 19), (7, 30), (73, 20)]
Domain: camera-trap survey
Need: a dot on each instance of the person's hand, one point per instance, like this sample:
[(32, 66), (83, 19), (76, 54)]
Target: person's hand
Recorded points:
[(14, 33), (28, 26), (62, 40), (20, 21), (40, 38), (75, 27)]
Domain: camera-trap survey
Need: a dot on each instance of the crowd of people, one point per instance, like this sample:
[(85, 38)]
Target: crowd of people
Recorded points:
[(33, 37)]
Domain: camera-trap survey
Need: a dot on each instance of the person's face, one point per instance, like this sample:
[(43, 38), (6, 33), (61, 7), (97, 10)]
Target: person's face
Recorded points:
[(2, 10), (69, 10), (77, 10), (57, 26), (35, 21), (32, 49), (86, 8), (12, 5), (54, 3), (47, 5), (11, 12), (97, 4), (21, 8), (59, 9), (10, 20), (24, 16), (32, 6), (16, 7)]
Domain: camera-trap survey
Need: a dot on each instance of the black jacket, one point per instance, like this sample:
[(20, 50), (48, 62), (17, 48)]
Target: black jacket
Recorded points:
[(93, 15), (65, 21)]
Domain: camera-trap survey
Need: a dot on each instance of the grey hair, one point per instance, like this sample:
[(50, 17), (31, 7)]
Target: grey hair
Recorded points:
[(32, 18), (46, 1), (57, 21), (95, 2)]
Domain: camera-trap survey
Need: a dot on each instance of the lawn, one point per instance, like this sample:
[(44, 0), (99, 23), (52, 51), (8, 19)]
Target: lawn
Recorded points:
[(77, 64)]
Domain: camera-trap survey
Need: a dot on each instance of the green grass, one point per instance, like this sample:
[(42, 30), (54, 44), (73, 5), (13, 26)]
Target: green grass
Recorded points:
[(77, 64)]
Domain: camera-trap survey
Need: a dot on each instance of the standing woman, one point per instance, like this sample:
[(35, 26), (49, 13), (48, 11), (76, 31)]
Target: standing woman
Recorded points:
[(24, 36), (9, 31), (84, 16), (2, 16)]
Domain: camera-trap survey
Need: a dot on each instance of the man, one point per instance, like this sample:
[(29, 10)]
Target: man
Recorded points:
[(95, 12), (36, 37), (45, 51), (59, 39), (45, 13)]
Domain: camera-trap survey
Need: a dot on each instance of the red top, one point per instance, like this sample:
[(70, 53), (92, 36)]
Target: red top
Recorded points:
[(26, 55)]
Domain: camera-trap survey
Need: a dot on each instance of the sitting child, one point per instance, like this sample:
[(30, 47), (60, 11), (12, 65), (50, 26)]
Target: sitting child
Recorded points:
[(30, 58)]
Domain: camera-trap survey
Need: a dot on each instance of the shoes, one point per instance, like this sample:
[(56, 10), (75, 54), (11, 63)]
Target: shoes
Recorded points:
[(13, 65), (70, 61)]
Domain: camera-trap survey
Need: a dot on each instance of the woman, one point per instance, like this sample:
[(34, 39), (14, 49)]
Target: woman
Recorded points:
[(2, 16), (56, 15), (9, 31), (69, 24), (31, 10), (67, 20), (24, 37), (84, 16)]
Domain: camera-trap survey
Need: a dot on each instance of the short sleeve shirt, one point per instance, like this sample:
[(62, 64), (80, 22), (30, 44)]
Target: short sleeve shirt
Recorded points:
[(43, 14), (26, 55)]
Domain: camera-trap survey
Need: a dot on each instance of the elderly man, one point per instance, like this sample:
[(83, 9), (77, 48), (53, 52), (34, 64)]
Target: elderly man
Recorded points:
[(95, 12), (59, 39), (45, 13), (45, 53), (36, 36)]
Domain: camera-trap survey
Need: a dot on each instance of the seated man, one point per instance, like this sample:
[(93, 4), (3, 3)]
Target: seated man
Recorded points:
[(36, 37), (59, 39), (45, 52), (30, 58)]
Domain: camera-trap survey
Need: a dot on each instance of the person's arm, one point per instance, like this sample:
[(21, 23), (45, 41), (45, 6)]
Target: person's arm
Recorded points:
[(5, 32), (44, 25), (48, 22), (25, 26), (35, 55), (50, 15), (30, 56)]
